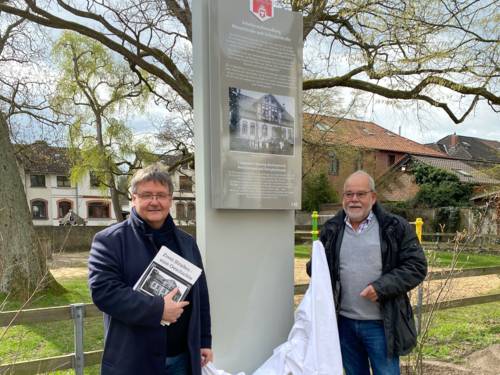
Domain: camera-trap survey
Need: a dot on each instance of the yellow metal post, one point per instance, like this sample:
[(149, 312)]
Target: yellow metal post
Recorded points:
[(418, 228), (314, 220)]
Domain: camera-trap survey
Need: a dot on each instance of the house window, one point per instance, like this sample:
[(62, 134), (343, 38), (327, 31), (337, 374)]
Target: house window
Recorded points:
[(358, 162), (63, 208), (191, 211), (334, 164), (185, 183), (94, 180), (276, 132), (37, 180), (63, 181), (252, 130), (391, 159), (264, 130), (266, 112), (98, 210), (274, 114), (180, 211), (244, 128), (39, 209)]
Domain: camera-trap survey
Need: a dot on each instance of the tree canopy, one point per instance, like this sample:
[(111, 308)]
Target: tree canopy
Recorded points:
[(96, 91), (441, 52)]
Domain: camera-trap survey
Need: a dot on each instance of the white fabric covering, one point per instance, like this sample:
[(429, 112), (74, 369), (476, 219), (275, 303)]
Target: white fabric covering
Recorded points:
[(210, 369), (313, 346)]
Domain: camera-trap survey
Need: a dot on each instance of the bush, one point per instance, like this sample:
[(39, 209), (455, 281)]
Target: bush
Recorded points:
[(316, 190), (444, 194), (439, 188)]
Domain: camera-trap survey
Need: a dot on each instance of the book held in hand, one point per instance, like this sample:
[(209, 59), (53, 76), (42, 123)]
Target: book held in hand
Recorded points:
[(168, 271)]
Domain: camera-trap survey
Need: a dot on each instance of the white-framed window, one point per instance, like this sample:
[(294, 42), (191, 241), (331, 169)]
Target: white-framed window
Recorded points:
[(37, 180), (63, 181), (98, 210), (63, 208)]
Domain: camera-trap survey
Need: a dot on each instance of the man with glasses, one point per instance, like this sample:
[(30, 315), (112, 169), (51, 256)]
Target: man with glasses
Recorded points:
[(374, 258), (135, 340)]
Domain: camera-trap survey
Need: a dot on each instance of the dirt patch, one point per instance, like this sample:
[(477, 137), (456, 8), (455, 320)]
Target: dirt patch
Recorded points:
[(68, 265), (69, 272), (456, 288), (486, 361), (482, 362), (69, 260)]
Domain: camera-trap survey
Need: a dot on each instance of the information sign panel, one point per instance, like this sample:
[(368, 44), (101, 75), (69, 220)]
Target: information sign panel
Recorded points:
[(255, 105)]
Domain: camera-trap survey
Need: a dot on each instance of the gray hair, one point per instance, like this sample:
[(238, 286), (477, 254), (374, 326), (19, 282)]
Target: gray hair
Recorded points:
[(371, 181), (156, 172)]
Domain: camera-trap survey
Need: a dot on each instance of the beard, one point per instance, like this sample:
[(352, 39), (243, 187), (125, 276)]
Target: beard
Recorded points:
[(357, 213)]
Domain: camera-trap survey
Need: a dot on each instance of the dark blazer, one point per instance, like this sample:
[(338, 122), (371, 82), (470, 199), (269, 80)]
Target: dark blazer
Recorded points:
[(135, 342), (403, 267)]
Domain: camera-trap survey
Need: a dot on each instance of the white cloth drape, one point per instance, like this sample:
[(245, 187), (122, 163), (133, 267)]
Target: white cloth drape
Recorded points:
[(313, 346), (210, 369)]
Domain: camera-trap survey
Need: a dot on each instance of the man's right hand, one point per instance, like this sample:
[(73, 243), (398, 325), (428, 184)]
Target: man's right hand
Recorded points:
[(172, 310)]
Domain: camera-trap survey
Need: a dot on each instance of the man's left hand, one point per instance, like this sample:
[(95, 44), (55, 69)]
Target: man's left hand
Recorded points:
[(369, 293), (206, 356)]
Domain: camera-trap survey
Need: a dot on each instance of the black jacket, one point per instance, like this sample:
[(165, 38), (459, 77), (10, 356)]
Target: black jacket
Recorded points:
[(403, 267), (135, 342)]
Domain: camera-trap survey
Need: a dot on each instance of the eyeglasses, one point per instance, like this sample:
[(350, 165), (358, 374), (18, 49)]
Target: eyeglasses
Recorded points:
[(359, 194), (151, 196)]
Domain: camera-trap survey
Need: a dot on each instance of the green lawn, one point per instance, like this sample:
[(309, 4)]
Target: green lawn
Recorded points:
[(302, 251), (32, 341), (454, 335), (465, 260), (435, 258)]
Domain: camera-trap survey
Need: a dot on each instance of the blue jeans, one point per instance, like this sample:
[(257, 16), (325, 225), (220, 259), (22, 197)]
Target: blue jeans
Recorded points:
[(178, 365), (363, 344)]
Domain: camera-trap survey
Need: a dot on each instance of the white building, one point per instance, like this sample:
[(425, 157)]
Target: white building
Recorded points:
[(50, 194), (183, 205), (264, 125), (45, 173)]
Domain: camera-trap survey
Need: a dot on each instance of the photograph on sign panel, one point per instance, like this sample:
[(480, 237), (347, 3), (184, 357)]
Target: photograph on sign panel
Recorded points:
[(261, 122), (160, 282)]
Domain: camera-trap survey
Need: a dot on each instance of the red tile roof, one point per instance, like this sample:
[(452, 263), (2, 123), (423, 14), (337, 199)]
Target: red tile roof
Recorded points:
[(361, 134)]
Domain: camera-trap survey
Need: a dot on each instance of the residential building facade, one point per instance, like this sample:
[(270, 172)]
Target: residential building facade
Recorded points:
[(183, 209), (263, 125), (340, 146), (50, 194)]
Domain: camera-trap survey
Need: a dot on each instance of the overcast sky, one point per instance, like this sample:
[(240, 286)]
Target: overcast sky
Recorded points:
[(418, 122), (433, 124)]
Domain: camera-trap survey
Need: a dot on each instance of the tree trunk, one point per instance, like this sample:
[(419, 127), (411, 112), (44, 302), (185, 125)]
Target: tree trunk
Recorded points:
[(115, 199), (23, 267)]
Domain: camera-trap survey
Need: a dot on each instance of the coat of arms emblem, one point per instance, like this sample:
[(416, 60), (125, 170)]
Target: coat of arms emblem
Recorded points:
[(262, 9)]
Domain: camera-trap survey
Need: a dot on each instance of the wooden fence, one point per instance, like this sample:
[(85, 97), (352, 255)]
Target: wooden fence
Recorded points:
[(76, 360), (78, 312)]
